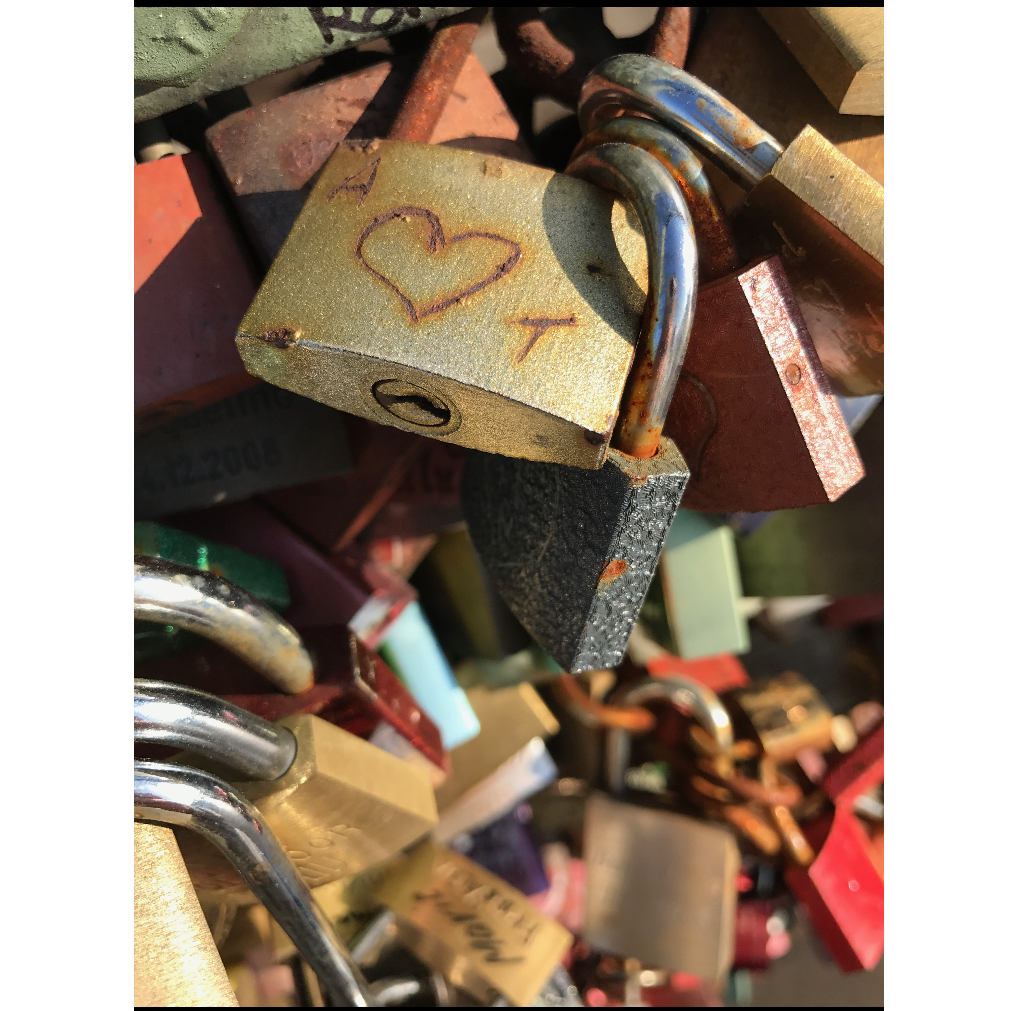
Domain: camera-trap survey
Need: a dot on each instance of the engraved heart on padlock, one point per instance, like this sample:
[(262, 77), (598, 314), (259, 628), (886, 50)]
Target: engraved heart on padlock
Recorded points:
[(434, 282)]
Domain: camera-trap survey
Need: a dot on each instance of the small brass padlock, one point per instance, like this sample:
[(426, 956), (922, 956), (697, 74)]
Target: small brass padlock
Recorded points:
[(787, 714), (481, 933), (175, 962), (462, 296), (336, 803)]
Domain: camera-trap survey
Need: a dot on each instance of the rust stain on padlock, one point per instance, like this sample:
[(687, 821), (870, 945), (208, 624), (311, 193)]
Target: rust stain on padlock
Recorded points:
[(282, 337), (612, 572), (718, 254)]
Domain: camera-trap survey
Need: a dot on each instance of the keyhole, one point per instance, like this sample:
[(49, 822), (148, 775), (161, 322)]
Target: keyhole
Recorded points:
[(411, 403)]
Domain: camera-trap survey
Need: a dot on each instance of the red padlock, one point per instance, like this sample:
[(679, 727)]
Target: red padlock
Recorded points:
[(844, 889), (192, 283)]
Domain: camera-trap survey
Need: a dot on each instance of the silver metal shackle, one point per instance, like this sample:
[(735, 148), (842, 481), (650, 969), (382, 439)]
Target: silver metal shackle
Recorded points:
[(181, 717), (669, 313), (193, 799), (717, 250), (683, 692), (173, 594), (684, 104)]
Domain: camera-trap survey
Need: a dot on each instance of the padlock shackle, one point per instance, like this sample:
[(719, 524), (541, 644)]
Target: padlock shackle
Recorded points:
[(202, 602), (717, 250), (191, 798), (675, 99), (182, 717), (669, 312), (705, 706)]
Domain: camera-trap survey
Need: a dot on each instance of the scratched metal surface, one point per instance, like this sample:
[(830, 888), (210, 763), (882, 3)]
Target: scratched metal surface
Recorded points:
[(753, 410), (477, 275), (196, 52), (571, 551)]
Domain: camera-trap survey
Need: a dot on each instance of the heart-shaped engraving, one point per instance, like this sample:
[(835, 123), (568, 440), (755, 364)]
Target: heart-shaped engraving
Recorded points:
[(435, 243)]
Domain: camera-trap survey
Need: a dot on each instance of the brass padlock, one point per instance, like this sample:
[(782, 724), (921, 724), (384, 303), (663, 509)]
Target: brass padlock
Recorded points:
[(458, 295), (175, 963), (502, 766), (208, 806), (572, 552), (787, 714), (480, 933), (336, 803), (809, 204)]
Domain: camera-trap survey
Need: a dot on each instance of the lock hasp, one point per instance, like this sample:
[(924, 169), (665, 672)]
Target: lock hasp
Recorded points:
[(458, 295)]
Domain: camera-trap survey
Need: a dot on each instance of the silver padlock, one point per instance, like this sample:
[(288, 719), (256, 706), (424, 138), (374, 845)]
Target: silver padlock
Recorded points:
[(660, 886), (201, 602), (572, 552)]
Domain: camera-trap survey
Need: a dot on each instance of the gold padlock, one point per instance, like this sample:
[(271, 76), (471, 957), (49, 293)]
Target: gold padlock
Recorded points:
[(480, 933), (787, 714), (465, 297), (337, 803), (175, 962), (343, 805)]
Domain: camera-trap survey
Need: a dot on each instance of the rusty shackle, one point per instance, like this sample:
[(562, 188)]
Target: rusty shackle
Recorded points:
[(673, 283)]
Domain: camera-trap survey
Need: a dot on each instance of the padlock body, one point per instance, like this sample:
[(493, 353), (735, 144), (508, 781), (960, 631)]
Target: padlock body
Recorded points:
[(824, 217), (191, 284), (572, 552), (175, 961), (458, 295), (343, 806), (753, 409), (660, 887), (481, 933), (787, 713)]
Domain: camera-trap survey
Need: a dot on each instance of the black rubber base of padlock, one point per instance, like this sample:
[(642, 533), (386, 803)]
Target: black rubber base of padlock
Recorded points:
[(572, 551)]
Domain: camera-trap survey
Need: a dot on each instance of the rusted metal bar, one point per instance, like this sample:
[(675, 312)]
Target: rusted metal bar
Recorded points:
[(636, 719), (668, 39), (718, 254), (549, 66), (436, 77), (544, 63)]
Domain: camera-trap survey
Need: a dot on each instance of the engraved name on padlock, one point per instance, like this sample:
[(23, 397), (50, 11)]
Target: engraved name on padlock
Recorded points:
[(482, 933)]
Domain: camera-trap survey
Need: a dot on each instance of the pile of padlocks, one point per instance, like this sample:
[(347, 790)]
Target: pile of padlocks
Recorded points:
[(466, 453)]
